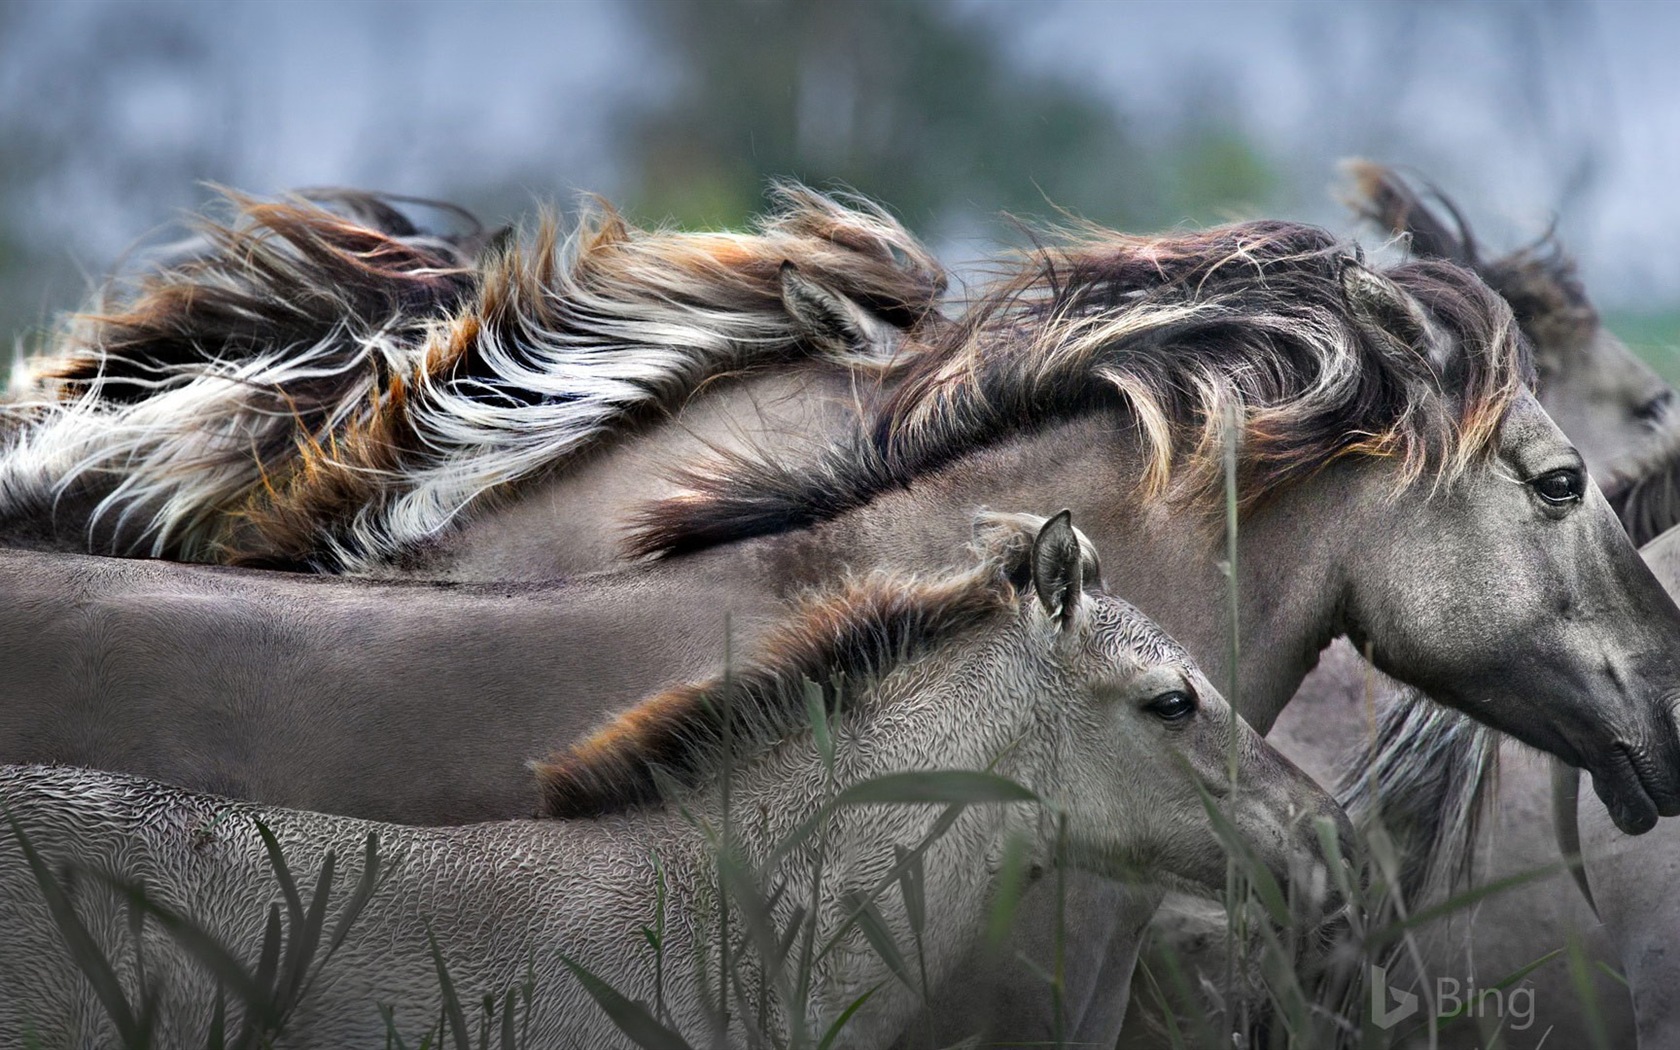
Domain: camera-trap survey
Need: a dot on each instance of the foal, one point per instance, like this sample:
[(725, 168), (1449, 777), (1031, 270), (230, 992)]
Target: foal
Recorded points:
[(1018, 665)]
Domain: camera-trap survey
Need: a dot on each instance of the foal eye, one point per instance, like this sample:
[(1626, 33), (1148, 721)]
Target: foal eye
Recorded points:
[(1175, 706), (1561, 486)]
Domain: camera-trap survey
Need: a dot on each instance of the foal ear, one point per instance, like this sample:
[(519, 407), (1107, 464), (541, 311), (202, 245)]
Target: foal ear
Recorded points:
[(1058, 569), (836, 325)]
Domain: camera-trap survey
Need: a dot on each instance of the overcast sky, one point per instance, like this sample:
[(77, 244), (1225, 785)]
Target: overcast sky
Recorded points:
[(1525, 112)]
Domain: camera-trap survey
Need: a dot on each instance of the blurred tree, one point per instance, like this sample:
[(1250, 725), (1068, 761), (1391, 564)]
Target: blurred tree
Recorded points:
[(915, 104)]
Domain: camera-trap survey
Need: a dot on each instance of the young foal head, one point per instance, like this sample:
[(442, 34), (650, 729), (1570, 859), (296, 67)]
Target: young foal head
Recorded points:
[(1024, 662)]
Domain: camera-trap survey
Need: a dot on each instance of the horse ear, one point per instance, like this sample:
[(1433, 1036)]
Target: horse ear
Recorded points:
[(1058, 569), (1379, 195), (836, 325), (1385, 312)]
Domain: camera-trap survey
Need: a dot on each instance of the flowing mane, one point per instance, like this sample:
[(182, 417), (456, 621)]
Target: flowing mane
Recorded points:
[(841, 641), (1649, 505), (182, 386), (1539, 281), (1318, 356), (331, 389)]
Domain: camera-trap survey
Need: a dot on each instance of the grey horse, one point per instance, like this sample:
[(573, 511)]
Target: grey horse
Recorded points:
[(1021, 665), (1620, 417)]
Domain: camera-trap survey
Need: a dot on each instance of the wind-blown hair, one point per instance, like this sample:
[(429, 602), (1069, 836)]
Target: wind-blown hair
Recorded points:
[(180, 388), (1539, 281), (835, 643), (1427, 777), (1317, 357), (326, 390)]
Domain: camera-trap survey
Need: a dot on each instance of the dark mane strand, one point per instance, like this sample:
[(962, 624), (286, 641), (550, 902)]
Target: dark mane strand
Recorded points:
[(1539, 281), (290, 273), (1162, 331), (842, 640), (1382, 197)]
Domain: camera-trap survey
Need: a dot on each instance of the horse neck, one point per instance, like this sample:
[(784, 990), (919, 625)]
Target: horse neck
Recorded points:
[(1165, 561), (915, 715), (797, 411)]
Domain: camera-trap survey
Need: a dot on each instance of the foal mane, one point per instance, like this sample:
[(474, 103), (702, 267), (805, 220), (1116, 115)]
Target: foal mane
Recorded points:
[(842, 641), (1318, 357)]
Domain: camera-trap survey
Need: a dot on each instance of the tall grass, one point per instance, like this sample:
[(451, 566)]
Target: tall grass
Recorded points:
[(1296, 985)]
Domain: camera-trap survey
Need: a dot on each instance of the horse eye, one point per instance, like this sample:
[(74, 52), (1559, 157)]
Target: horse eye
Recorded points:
[(1560, 486), (1175, 706)]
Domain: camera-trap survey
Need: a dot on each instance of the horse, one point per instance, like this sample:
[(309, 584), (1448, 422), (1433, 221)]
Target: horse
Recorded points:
[(1626, 882), (1355, 394), (1619, 413), (1115, 744), (1619, 416)]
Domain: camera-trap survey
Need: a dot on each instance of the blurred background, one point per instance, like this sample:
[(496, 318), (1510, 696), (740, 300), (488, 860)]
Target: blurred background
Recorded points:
[(115, 113)]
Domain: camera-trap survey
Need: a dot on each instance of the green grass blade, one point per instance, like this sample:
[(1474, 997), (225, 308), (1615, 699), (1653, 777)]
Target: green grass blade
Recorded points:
[(452, 1011), (268, 961), (911, 878), (631, 1017), (1459, 902), (506, 1042), (393, 1038), (217, 1037), (874, 928), (1011, 883), (282, 874), (817, 711), (359, 900), (84, 949), (1580, 975), (839, 1023), (305, 939)]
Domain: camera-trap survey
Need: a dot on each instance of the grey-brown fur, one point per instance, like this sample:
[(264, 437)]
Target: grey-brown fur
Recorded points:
[(1050, 700)]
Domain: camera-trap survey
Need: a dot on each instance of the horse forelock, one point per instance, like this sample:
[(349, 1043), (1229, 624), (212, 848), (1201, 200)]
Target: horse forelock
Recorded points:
[(839, 642), (568, 339), (1174, 332)]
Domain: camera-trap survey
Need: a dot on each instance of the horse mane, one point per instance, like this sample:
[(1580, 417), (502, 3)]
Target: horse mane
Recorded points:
[(1539, 281), (1427, 777), (1269, 319), (1649, 504), (367, 382), (838, 643), (182, 385), (273, 275), (564, 344)]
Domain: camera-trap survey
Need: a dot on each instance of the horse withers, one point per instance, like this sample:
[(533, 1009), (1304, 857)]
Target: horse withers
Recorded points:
[(1021, 665)]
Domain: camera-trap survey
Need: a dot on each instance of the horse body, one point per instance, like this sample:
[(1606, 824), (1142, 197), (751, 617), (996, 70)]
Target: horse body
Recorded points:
[(968, 673), (1620, 416), (593, 501), (408, 702)]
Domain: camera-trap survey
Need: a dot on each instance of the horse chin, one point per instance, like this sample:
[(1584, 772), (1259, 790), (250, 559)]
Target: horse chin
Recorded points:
[(1624, 794)]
